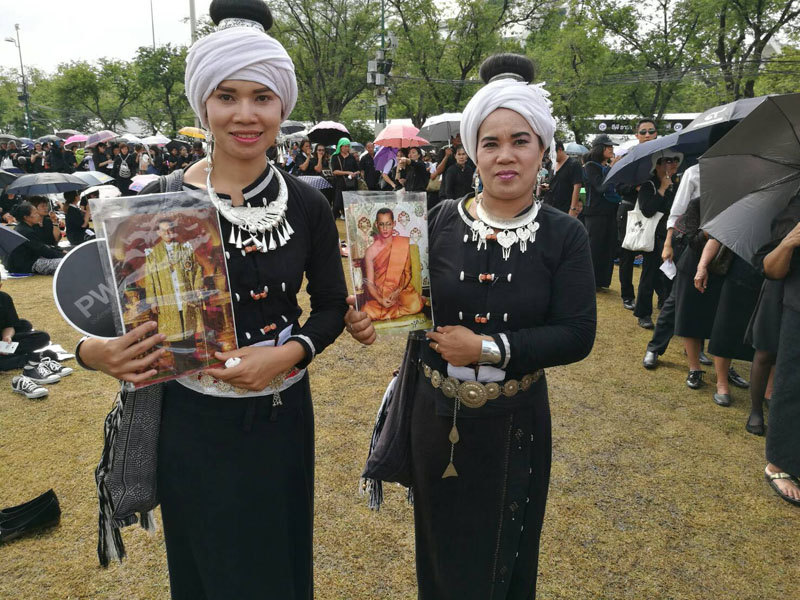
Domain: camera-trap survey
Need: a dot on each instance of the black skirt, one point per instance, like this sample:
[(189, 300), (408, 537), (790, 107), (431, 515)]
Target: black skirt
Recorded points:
[(737, 302), (236, 486), (783, 432), (694, 312), (763, 332), (477, 535)]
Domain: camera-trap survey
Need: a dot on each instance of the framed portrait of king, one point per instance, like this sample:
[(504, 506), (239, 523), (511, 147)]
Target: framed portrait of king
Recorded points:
[(387, 233), (166, 264)]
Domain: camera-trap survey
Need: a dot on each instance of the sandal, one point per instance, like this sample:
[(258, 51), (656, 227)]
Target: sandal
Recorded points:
[(771, 477)]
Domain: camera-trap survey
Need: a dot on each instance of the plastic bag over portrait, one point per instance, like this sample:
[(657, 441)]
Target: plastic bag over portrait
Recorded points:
[(387, 233), (166, 263)]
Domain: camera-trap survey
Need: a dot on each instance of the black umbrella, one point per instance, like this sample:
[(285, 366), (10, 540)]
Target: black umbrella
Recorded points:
[(750, 175), (637, 165), (291, 126), (9, 240), (7, 137), (178, 144), (36, 184), (328, 133), (6, 178)]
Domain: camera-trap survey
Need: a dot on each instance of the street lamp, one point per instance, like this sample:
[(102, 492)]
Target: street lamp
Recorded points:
[(24, 95)]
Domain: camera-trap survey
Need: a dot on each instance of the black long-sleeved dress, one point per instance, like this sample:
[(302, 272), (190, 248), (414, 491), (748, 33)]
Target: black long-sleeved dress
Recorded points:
[(236, 474), (477, 534)]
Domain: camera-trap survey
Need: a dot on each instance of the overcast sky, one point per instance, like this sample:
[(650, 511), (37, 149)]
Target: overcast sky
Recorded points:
[(55, 31)]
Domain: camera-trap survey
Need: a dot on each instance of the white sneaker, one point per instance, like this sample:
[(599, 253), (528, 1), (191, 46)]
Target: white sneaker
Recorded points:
[(40, 373), (55, 367), (25, 385)]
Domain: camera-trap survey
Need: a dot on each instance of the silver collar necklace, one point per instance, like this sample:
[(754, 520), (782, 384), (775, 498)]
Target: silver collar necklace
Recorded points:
[(508, 232), (256, 221)]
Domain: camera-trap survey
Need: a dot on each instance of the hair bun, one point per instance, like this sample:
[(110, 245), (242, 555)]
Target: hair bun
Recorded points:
[(514, 64), (253, 10)]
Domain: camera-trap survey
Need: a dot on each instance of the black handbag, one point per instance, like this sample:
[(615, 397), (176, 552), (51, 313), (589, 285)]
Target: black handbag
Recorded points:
[(389, 457)]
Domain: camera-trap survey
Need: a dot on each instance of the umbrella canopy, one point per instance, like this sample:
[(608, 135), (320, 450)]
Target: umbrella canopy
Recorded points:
[(48, 138), (292, 126), (6, 178), (178, 144), (76, 139), (100, 136), (105, 191), (27, 142), (327, 132), (139, 182), (9, 240), (358, 147), (749, 176), (7, 137), (65, 134), (575, 149), (37, 184), (193, 132), (400, 136), (637, 165), (316, 181), (622, 149), (733, 111), (129, 138), (93, 177), (156, 140), (383, 156), (441, 128)]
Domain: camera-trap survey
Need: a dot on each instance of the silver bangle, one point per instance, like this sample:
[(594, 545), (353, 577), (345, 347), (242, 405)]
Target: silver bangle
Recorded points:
[(490, 353)]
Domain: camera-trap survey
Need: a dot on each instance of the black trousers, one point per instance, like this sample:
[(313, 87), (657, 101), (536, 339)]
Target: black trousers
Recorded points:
[(602, 231), (236, 487), (626, 258), (29, 341), (783, 443), (651, 280), (665, 326)]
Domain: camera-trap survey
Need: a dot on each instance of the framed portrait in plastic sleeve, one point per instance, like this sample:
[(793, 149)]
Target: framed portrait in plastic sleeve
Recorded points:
[(166, 264), (387, 233)]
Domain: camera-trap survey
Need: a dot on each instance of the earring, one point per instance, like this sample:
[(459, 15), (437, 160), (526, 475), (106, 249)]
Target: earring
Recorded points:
[(210, 151)]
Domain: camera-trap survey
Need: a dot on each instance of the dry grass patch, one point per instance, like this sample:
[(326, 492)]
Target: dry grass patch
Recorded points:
[(656, 491)]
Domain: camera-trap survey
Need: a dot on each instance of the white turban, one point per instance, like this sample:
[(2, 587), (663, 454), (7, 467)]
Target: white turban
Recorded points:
[(242, 53), (530, 101)]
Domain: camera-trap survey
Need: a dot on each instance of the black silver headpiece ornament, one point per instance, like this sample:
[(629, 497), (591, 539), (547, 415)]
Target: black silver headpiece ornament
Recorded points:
[(237, 22)]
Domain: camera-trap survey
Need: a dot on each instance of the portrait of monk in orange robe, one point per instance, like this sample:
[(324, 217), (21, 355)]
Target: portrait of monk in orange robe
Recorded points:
[(387, 273)]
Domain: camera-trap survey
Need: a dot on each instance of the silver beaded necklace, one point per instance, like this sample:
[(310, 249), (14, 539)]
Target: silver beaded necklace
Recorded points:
[(518, 230)]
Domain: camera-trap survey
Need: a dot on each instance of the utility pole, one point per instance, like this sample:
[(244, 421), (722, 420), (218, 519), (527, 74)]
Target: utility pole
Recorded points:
[(152, 24), (24, 95), (193, 21), (378, 71)]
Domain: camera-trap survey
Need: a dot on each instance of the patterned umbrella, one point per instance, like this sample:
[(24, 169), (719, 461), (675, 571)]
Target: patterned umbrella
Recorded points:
[(316, 181), (100, 136), (400, 136)]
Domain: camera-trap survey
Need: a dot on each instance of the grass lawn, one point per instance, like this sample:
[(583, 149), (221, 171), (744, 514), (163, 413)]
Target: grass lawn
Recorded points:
[(656, 492)]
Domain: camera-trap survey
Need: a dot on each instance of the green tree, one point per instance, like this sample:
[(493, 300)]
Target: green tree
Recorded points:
[(106, 90), (162, 102)]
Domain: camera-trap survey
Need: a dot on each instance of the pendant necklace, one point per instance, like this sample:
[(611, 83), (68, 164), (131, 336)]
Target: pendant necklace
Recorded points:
[(517, 230), (256, 221)]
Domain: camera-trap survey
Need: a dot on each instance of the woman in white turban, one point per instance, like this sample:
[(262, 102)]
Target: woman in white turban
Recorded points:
[(236, 444), (513, 293)]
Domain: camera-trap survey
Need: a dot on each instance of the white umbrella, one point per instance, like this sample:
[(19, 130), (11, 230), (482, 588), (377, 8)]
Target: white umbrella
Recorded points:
[(622, 149), (106, 191), (440, 128), (139, 182), (158, 139), (93, 177)]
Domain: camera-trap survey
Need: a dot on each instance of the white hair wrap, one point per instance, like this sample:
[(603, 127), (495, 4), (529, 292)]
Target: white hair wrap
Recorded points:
[(530, 101), (241, 53)]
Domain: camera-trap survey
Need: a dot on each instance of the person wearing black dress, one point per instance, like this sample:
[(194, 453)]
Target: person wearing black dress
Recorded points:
[(600, 211), (780, 260), (656, 196), (235, 461), (32, 256), (125, 167), (77, 220), (513, 293), (346, 172)]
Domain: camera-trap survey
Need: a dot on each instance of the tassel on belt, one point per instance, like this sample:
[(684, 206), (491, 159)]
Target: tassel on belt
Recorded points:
[(475, 394)]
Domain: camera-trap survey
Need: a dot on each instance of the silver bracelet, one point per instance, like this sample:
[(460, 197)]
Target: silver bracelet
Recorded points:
[(490, 353)]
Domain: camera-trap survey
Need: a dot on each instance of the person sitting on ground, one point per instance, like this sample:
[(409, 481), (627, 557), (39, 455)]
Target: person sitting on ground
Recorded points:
[(49, 233), (77, 220), (37, 367), (32, 256)]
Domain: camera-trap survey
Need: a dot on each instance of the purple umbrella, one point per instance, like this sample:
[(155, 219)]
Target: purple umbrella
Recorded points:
[(383, 156), (100, 136)]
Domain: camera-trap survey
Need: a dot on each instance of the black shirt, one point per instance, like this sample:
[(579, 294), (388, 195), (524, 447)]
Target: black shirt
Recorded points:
[(782, 225), (45, 232), (562, 183), (311, 255), (456, 182), (547, 310), (8, 313), (596, 202), (651, 202), (343, 163), (76, 231), (417, 176), (22, 258), (371, 175)]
